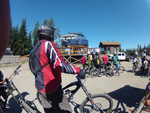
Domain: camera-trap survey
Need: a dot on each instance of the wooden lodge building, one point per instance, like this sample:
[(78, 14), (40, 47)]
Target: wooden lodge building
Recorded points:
[(110, 47)]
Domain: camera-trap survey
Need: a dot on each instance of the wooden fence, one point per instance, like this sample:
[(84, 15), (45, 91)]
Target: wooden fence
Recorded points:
[(10, 59)]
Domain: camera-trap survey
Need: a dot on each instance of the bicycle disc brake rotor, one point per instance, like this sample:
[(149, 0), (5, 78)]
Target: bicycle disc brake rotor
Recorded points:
[(100, 106), (93, 108)]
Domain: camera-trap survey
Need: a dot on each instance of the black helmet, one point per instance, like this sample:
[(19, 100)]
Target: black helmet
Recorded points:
[(45, 32)]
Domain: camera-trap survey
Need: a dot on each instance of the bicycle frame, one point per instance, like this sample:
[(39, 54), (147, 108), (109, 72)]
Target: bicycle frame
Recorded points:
[(79, 85)]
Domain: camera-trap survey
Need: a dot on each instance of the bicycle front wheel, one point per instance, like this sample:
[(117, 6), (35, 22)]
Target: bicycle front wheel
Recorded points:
[(101, 103)]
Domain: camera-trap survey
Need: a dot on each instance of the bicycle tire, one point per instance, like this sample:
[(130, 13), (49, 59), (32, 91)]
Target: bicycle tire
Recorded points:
[(87, 107), (110, 72), (95, 72), (90, 74)]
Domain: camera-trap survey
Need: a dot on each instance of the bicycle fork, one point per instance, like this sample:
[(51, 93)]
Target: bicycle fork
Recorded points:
[(89, 97)]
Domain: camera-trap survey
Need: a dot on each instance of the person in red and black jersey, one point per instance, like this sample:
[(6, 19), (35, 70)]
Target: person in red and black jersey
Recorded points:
[(47, 64)]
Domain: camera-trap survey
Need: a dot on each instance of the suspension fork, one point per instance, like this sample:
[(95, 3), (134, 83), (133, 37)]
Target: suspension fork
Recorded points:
[(89, 97)]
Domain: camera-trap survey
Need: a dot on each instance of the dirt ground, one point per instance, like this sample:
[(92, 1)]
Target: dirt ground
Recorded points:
[(126, 89)]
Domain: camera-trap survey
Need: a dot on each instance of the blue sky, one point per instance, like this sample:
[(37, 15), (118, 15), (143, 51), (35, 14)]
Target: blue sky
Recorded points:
[(126, 21)]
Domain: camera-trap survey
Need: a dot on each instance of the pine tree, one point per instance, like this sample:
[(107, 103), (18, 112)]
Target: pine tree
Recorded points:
[(49, 23), (20, 42), (34, 36)]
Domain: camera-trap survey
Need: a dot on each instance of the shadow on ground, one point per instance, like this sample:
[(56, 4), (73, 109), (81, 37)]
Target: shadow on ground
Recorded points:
[(142, 73), (139, 73), (129, 70), (127, 95)]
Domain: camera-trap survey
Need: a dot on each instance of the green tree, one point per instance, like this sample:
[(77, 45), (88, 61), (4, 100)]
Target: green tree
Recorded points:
[(130, 52), (20, 41), (49, 22), (22, 29), (23, 39), (14, 39), (34, 36), (46, 22)]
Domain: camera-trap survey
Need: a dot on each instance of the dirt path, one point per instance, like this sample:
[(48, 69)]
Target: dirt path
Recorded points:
[(126, 89)]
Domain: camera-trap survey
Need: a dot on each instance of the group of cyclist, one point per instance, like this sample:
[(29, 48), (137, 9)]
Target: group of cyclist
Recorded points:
[(141, 62), (100, 61)]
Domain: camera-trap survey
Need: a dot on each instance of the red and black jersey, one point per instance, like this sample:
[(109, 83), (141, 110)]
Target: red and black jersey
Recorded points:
[(47, 64)]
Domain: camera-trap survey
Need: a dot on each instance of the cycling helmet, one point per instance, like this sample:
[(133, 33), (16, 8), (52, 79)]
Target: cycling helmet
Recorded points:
[(45, 32)]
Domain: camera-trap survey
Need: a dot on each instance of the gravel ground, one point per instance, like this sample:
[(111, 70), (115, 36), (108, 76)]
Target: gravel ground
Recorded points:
[(126, 89)]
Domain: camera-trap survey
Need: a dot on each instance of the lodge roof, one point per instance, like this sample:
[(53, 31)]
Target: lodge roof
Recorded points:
[(110, 43)]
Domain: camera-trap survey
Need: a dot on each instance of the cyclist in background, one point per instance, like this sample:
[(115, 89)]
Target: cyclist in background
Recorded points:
[(96, 60), (135, 60), (83, 61), (100, 60), (105, 60), (116, 62), (144, 63), (89, 59)]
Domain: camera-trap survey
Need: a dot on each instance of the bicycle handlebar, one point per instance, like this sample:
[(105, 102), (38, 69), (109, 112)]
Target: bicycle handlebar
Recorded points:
[(72, 84), (15, 72), (18, 67)]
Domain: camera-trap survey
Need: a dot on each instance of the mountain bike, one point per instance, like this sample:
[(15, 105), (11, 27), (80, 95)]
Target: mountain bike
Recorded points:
[(108, 69), (117, 69), (95, 72), (100, 103), (27, 105), (134, 67)]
